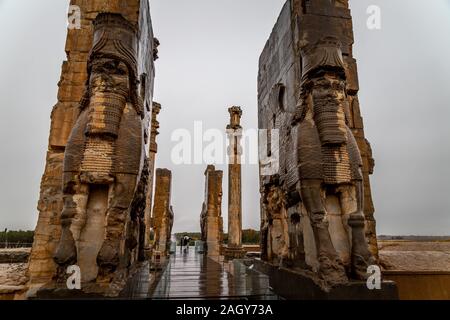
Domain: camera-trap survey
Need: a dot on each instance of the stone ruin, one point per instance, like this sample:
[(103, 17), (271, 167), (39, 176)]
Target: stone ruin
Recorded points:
[(211, 221), (153, 150), (162, 216), (96, 191), (234, 132), (316, 210), (95, 185)]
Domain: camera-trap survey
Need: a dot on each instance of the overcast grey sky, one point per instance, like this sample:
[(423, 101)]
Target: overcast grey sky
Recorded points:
[(208, 61)]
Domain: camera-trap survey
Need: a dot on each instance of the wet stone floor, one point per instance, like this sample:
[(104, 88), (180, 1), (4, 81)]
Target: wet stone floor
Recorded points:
[(190, 275)]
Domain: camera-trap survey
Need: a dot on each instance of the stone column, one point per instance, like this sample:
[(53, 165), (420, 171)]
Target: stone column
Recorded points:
[(153, 150), (211, 219), (234, 132), (162, 211)]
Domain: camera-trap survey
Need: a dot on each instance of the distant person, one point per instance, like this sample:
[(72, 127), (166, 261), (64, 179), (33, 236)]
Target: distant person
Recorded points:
[(186, 239), (181, 244)]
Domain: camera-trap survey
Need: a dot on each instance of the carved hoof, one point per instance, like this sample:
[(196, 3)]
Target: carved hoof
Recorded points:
[(66, 252), (298, 263), (332, 270), (285, 262), (108, 255), (360, 265)]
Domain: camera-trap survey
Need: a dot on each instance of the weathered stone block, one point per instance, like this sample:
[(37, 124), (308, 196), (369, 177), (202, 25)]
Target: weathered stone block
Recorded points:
[(321, 144), (211, 215), (162, 211), (63, 117), (130, 196)]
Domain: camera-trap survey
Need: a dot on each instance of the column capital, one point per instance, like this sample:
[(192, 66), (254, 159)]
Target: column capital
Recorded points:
[(235, 117)]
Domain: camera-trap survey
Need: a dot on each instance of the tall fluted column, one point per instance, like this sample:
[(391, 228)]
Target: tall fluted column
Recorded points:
[(234, 131)]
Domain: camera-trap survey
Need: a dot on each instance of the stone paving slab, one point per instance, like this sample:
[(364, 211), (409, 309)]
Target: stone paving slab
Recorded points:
[(190, 275)]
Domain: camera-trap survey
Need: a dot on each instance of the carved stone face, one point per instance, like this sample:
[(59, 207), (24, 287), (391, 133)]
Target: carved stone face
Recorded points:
[(109, 87), (109, 76), (329, 82), (328, 93)]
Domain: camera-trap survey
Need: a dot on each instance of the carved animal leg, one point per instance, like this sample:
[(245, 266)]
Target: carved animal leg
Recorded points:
[(142, 228), (73, 218), (296, 246), (131, 242), (66, 252), (269, 243), (264, 241), (361, 256), (285, 240), (123, 190), (331, 268)]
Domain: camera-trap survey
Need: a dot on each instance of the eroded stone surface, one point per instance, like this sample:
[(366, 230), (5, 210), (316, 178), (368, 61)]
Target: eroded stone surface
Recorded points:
[(211, 221), (13, 274), (153, 149), (163, 215), (97, 140), (317, 212), (415, 256), (14, 255)]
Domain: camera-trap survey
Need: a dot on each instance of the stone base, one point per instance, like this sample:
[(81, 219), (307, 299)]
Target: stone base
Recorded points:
[(66, 294), (233, 253), (142, 277), (105, 287), (90, 290), (294, 285), (12, 292)]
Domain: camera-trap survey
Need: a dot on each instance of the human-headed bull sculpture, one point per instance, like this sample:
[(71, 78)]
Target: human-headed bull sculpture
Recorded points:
[(105, 158), (312, 209), (329, 163)]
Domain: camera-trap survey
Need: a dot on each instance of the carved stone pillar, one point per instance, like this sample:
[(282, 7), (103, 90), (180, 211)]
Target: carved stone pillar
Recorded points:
[(211, 216), (308, 92), (234, 132), (92, 201), (162, 211), (153, 150)]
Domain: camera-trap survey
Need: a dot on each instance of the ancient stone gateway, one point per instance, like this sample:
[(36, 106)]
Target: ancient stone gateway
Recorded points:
[(162, 219), (211, 221), (317, 226), (94, 188), (316, 212)]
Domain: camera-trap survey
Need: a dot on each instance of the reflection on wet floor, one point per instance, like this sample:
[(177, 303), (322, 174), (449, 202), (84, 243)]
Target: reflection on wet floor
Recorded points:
[(195, 276), (190, 275)]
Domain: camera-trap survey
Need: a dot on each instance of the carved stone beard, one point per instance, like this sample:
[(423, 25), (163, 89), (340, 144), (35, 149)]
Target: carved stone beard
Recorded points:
[(328, 112), (109, 89), (328, 99)]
